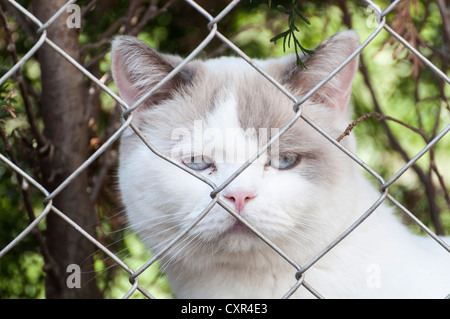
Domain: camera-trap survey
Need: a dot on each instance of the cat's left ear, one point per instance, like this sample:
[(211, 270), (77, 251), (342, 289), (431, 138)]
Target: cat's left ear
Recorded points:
[(332, 52), (136, 68)]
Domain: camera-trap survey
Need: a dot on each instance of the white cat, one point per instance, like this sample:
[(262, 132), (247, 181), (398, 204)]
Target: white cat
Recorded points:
[(301, 194)]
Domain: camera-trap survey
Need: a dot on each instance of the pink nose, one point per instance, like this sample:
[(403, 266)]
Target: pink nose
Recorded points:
[(240, 198)]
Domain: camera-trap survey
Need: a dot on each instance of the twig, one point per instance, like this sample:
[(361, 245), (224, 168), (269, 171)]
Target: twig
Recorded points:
[(379, 117), (444, 9), (441, 180), (289, 34), (88, 7), (151, 12)]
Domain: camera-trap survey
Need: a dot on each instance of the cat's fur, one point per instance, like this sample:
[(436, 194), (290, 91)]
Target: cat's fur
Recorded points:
[(301, 209)]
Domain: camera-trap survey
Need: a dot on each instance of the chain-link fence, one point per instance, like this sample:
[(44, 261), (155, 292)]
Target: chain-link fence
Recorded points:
[(212, 23)]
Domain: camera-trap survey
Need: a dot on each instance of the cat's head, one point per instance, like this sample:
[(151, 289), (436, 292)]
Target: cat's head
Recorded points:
[(213, 116)]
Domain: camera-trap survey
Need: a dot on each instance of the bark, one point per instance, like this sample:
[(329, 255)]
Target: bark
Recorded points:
[(62, 105)]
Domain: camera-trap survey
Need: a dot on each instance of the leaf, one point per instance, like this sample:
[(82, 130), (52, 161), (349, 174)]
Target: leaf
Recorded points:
[(289, 34), (283, 9), (301, 16), (306, 51), (15, 123), (288, 41), (281, 35)]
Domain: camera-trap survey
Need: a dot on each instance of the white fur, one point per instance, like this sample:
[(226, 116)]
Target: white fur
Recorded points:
[(301, 210)]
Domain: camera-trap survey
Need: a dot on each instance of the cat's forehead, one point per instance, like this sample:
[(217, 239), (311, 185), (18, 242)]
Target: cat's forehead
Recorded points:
[(252, 99), (229, 93)]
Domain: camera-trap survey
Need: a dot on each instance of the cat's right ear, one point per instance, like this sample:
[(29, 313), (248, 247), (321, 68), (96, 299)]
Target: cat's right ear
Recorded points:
[(136, 68), (329, 55)]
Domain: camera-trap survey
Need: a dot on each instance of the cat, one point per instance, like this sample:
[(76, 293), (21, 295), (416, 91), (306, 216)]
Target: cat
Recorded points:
[(301, 193)]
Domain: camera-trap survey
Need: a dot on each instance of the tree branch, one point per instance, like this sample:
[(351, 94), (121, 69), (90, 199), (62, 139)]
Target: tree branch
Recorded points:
[(444, 9), (379, 117)]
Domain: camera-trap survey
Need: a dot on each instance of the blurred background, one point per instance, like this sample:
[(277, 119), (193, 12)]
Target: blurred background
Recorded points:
[(52, 118)]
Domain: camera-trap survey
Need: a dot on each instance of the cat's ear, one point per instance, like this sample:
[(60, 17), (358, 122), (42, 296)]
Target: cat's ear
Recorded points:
[(336, 92), (136, 68)]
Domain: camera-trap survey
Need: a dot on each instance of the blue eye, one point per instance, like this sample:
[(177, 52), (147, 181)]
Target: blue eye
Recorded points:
[(198, 162), (283, 161)]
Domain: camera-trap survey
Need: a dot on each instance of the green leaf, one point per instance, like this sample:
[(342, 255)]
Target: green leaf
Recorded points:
[(289, 34), (288, 41), (15, 123), (283, 9), (281, 35), (301, 16)]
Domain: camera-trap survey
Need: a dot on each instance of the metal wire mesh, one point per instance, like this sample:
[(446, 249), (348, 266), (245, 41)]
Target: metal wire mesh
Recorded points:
[(212, 23)]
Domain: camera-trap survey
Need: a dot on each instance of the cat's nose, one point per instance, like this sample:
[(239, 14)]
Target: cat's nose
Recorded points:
[(239, 198)]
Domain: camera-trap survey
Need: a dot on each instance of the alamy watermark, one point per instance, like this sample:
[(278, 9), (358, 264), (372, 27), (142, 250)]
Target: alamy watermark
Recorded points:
[(373, 20), (222, 145), (74, 278), (74, 19), (373, 279)]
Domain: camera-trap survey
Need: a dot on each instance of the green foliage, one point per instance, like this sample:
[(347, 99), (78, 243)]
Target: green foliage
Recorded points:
[(21, 274), (8, 116)]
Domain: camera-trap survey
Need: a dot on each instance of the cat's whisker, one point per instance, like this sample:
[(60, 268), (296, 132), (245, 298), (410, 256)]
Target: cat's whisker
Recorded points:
[(181, 249), (156, 221)]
